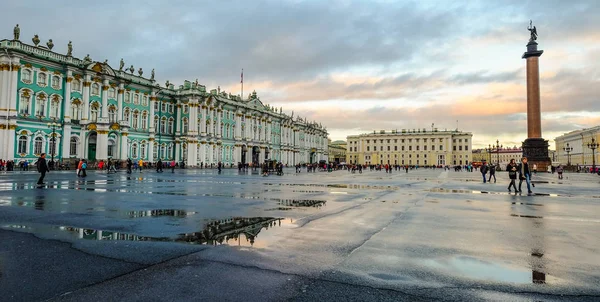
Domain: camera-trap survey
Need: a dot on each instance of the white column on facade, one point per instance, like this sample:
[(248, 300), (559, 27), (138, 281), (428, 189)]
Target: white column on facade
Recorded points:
[(269, 130), (102, 143), (150, 149), (153, 100), (105, 88), (261, 157), (238, 125), (202, 154), (192, 153), (12, 92), (67, 98), (177, 150), (219, 130), (124, 146), (203, 120), (66, 146), (3, 89), (178, 120), (86, 98), (120, 92)]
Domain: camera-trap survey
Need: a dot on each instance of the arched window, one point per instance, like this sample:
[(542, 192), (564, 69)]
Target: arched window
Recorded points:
[(144, 119), (76, 109), (52, 147), (156, 123), (171, 123), (144, 101), (163, 107), (24, 102), (111, 148), (227, 131), (184, 125), (37, 146), (42, 79), (163, 150), (136, 99), (127, 97), (76, 86), (22, 148), (184, 152), (134, 119), (96, 89), (143, 150), (163, 125), (41, 105), (55, 107), (134, 150), (73, 146), (169, 151), (26, 76), (111, 93), (94, 109), (155, 150), (112, 114), (55, 82), (126, 115)]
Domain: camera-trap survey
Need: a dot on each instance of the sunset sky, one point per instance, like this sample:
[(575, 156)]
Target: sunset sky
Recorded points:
[(354, 66)]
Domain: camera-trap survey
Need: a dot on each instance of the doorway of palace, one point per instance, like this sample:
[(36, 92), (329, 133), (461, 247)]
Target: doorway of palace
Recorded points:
[(92, 147), (267, 151), (255, 155), (243, 150), (312, 158)]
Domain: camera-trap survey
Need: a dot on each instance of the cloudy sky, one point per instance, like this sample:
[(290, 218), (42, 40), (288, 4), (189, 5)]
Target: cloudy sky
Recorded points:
[(355, 66)]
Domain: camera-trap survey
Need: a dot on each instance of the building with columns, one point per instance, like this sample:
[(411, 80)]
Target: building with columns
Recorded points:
[(420, 147), (102, 112), (578, 144)]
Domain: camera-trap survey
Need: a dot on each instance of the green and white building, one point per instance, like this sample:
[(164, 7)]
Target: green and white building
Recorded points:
[(100, 112)]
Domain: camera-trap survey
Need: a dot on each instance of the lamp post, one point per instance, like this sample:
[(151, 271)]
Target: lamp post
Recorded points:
[(593, 145), (497, 147), (568, 149), (53, 125)]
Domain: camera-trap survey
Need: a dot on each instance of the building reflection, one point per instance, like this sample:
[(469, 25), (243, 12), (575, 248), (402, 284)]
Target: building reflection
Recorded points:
[(214, 233), (301, 203), (533, 225)]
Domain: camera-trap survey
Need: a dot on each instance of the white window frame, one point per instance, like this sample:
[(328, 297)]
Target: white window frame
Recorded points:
[(30, 72), (44, 83)]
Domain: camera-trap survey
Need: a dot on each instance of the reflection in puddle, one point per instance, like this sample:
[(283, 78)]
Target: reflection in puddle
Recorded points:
[(483, 270), (226, 231), (301, 203), (526, 216)]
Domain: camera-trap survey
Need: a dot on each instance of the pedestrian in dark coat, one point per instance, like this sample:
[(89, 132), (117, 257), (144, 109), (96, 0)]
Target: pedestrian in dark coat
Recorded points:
[(42, 167), (512, 174)]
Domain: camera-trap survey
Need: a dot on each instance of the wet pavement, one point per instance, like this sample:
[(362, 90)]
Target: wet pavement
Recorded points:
[(198, 235)]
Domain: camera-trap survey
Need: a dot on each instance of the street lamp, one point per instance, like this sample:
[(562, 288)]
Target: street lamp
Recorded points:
[(593, 145), (54, 125), (497, 147), (568, 149)]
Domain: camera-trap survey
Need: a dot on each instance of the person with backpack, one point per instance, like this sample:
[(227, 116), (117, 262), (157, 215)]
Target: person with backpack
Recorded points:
[(512, 174), (560, 170), (129, 166), (79, 167), (159, 166), (42, 168), (484, 170)]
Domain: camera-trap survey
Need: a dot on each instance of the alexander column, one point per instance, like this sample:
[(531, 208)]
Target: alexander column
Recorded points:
[(535, 148)]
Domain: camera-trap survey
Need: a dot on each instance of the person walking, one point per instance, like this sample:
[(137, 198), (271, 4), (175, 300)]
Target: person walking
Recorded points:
[(492, 173), (84, 168), (79, 167), (140, 164), (484, 169), (129, 166), (512, 174), (159, 166), (524, 175), (112, 166), (559, 170), (173, 166), (42, 168)]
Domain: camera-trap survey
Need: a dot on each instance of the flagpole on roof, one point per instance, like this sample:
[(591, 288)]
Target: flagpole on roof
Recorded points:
[(242, 81)]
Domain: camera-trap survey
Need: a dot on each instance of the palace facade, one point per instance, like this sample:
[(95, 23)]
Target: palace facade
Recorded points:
[(578, 143), (74, 108), (410, 147)]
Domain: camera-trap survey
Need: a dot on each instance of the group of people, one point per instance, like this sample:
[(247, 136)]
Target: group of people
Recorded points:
[(521, 170)]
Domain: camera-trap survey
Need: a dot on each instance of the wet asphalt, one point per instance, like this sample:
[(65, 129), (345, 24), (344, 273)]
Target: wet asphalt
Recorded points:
[(196, 235)]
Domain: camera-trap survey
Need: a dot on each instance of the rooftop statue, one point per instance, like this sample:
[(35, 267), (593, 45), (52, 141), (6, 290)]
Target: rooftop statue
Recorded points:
[(167, 84), (36, 40), (131, 69), (87, 59), (17, 32), (140, 71), (121, 64), (533, 31), (50, 44), (106, 62), (152, 74), (70, 49)]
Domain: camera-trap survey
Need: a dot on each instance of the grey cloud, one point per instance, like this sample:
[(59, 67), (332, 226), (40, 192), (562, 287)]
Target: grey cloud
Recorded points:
[(484, 76)]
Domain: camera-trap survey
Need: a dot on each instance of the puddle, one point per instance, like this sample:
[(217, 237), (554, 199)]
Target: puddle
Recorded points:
[(473, 268), (461, 191), (233, 231), (301, 203), (527, 216)]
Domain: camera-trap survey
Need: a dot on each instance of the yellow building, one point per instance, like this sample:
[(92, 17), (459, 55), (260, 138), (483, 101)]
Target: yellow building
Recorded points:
[(410, 147), (337, 151), (578, 144)]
